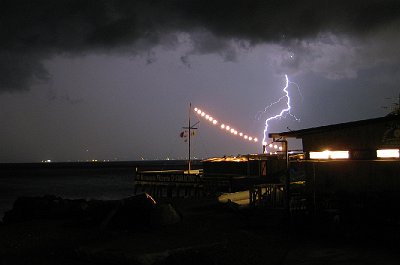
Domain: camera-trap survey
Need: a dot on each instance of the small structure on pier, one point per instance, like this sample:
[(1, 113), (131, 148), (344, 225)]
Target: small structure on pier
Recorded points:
[(247, 180), (231, 174), (260, 175)]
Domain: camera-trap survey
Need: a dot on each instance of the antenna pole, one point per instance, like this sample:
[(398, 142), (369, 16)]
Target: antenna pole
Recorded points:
[(190, 128)]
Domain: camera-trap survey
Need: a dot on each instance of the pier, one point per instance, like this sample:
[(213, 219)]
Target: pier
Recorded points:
[(170, 183)]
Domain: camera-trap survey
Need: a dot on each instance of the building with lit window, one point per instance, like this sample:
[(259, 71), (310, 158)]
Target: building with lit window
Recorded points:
[(350, 165), (231, 174)]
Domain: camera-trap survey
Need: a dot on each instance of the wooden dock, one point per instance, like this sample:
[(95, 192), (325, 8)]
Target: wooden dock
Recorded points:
[(170, 183)]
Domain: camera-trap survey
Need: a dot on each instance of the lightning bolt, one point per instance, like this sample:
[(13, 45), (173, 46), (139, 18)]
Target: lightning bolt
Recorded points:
[(284, 112)]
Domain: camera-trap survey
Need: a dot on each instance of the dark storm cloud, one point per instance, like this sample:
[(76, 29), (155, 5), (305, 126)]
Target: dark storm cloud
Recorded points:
[(34, 30), (18, 70)]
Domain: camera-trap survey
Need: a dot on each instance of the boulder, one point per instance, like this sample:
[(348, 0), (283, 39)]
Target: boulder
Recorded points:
[(131, 212), (44, 207), (164, 214), (135, 212)]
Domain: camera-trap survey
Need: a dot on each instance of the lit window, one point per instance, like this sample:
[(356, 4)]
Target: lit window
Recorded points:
[(339, 154), (319, 155), (387, 153), (329, 155)]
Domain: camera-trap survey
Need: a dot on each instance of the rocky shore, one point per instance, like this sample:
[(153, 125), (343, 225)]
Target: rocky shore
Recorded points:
[(139, 230)]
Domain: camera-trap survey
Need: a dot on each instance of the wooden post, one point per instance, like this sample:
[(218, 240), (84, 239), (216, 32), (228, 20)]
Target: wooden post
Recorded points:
[(190, 110), (287, 178)]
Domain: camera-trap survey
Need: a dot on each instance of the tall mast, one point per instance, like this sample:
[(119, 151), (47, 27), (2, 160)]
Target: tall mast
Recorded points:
[(190, 128)]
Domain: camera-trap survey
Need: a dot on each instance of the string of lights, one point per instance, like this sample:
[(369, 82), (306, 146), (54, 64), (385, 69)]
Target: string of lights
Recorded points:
[(225, 127)]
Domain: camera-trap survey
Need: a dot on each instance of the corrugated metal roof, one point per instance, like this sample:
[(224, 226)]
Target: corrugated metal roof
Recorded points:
[(227, 159), (321, 129), (240, 158)]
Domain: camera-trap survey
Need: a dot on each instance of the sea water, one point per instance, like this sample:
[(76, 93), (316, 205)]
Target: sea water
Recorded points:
[(75, 184), (104, 181)]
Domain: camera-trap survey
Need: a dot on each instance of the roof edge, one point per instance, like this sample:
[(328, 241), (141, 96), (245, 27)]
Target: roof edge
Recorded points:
[(313, 130)]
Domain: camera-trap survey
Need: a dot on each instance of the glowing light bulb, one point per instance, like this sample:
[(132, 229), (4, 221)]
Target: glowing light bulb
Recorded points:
[(223, 126)]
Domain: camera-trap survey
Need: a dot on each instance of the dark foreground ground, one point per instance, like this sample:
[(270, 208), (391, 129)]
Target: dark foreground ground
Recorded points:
[(209, 233)]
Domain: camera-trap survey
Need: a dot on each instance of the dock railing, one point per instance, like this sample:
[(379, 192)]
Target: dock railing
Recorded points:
[(169, 183), (269, 195)]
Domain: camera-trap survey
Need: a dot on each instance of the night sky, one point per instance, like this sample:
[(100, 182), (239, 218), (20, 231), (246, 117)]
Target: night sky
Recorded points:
[(112, 80)]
